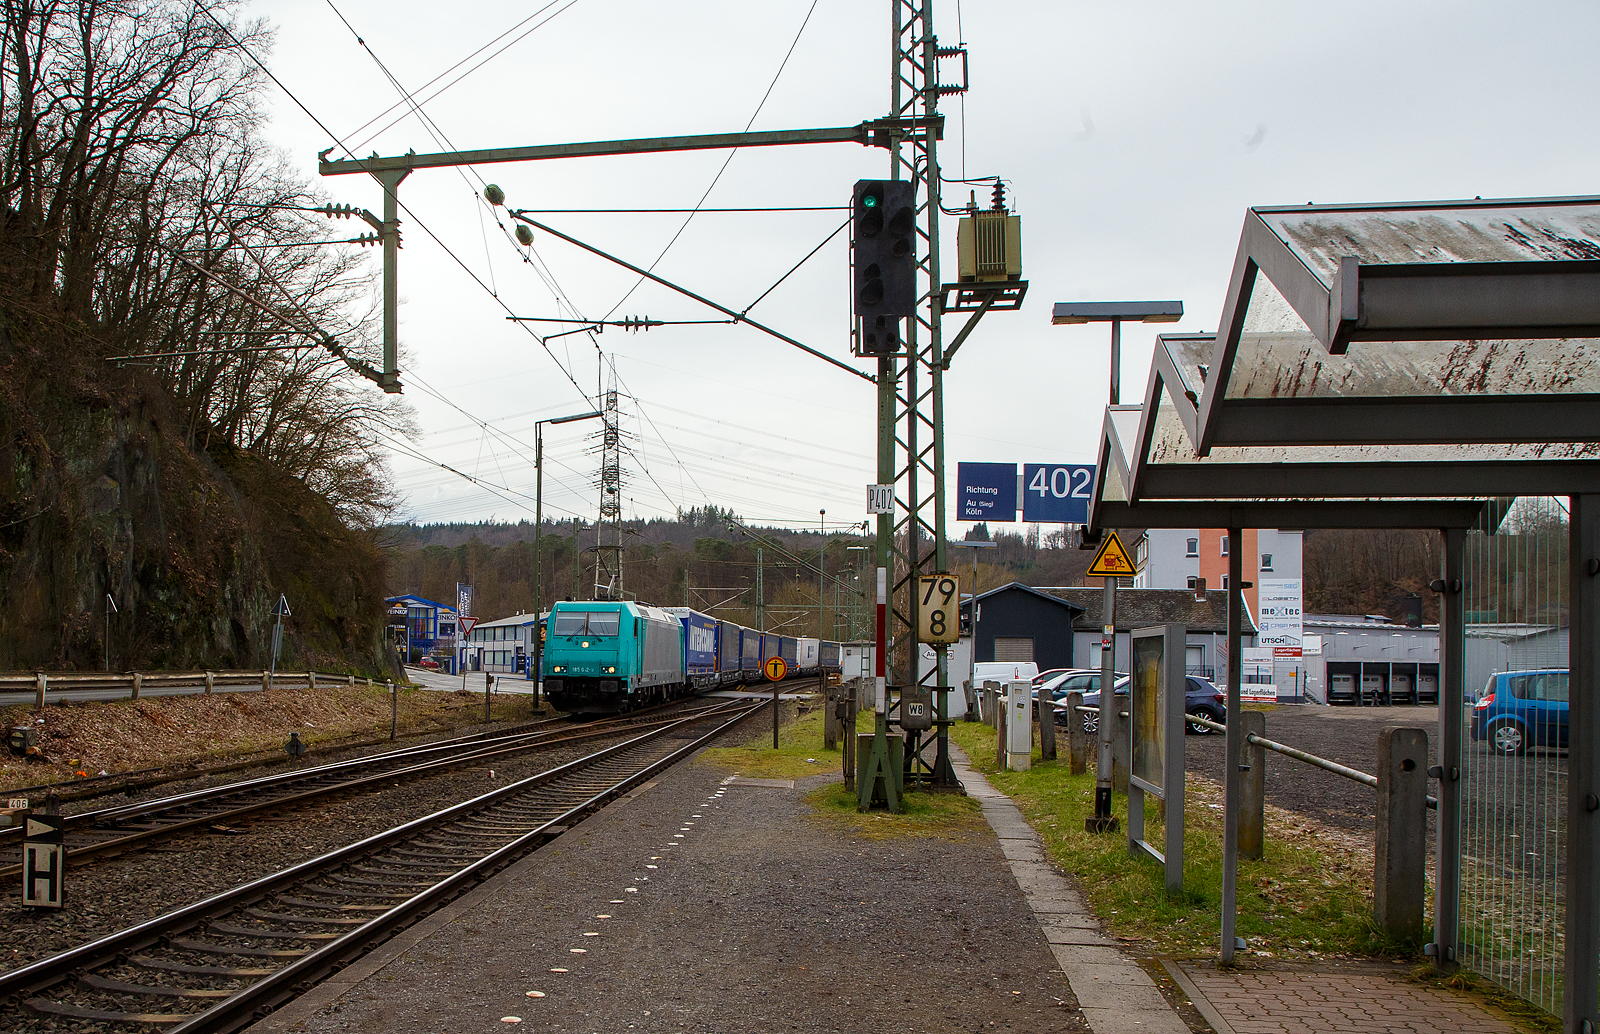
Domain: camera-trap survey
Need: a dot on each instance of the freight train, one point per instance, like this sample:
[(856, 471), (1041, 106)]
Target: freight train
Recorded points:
[(621, 656)]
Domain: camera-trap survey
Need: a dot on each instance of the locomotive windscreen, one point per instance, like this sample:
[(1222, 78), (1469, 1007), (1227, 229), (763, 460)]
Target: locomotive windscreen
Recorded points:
[(585, 622)]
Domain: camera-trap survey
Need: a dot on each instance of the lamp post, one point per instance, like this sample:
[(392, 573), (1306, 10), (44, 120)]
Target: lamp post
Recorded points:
[(1113, 313), (538, 526), (972, 648)]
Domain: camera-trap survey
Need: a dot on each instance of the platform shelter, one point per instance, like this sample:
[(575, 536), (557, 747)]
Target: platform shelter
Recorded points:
[(1401, 366)]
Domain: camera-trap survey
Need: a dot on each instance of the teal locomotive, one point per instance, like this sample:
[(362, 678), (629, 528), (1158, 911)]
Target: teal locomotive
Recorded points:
[(618, 656)]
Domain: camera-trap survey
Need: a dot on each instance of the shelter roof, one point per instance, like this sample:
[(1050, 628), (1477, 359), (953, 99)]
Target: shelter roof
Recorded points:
[(1376, 366), (1044, 594)]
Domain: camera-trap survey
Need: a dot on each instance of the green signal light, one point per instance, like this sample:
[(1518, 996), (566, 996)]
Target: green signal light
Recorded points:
[(870, 200)]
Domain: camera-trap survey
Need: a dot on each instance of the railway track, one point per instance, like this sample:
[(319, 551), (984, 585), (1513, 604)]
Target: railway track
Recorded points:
[(222, 963), (105, 832)]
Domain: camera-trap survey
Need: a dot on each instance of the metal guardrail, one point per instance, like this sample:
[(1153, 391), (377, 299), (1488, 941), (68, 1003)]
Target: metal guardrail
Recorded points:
[(1299, 755), (43, 683)]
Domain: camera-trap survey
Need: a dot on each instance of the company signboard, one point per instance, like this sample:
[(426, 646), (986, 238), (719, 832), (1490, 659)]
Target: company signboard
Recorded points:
[(1278, 605), (986, 492), (463, 599), (1057, 493)]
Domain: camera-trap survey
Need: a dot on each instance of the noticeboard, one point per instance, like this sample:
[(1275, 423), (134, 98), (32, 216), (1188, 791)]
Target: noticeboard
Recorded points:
[(1148, 690), (1057, 493), (986, 492), (1156, 717)]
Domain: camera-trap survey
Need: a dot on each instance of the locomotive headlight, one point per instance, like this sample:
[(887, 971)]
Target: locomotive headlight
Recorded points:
[(559, 668), (584, 644), (612, 670)]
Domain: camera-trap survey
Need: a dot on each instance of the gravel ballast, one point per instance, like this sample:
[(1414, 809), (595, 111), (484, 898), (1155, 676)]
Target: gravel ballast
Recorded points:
[(703, 905)]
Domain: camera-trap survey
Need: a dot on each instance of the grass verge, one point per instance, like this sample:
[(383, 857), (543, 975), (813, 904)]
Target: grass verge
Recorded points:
[(800, 752), (1305, 900)]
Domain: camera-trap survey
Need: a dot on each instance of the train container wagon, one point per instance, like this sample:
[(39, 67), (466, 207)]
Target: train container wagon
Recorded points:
[(613, 656), (699, 646), (729, 669), (807, 654), (786, 650), (828, 656)]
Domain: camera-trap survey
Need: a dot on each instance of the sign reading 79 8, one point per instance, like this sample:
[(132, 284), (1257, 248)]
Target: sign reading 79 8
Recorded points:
[(938, 608)]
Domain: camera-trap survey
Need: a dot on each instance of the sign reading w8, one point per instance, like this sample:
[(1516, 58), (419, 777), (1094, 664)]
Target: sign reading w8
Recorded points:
[(938, 608)]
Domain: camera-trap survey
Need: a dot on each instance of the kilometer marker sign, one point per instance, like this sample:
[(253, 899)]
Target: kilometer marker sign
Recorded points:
[(1111, 560)]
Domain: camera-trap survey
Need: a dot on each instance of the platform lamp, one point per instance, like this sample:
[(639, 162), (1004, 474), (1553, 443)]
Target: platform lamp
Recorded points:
[(538, 527), (1113, 313)]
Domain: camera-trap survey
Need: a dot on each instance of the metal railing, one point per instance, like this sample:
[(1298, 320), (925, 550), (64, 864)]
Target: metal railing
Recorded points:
[(43, 683)]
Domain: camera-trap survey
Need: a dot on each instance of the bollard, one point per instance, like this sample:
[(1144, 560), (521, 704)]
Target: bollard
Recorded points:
[(1252, 762), (831, 717), (1077, 739), (138, 685), (1121, 741), (849, 737), (311, 680), (1047, 728), (991, 703), (266, 680), (1398, 877), (1000, 738), (40, 684), (211, 682), (351, 681)]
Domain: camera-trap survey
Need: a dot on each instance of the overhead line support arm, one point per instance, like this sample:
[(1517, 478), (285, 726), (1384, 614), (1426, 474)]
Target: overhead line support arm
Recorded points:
[(872, 133), (737, 318)]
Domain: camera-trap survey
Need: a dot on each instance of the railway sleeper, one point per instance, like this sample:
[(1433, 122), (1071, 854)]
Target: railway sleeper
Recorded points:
[(285, 917), (124, 987), (145, 962), (213, 948), (267, 933), (341, 905), (40, 1005)]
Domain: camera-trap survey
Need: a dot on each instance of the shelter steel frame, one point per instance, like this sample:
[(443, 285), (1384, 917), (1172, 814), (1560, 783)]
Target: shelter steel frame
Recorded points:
[(1475, 377)]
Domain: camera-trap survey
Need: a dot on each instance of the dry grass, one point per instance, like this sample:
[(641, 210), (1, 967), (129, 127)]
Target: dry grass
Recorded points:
[(157, 732)]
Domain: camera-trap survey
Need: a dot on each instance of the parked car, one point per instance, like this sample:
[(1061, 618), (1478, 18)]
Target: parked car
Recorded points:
[(1200, 698), (1522, 709), (429, 663), (1045, 676)]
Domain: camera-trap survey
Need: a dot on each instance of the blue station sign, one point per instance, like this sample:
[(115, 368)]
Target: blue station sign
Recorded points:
[(1057, 493), (986, 492)]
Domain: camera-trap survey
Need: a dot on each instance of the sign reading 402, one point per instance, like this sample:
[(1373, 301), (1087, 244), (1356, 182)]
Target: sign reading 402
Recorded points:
[(1057, 493), (938, 608)]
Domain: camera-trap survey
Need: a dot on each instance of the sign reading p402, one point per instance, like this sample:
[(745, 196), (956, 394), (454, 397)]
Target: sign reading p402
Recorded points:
[(938, 608), (1057, 493)]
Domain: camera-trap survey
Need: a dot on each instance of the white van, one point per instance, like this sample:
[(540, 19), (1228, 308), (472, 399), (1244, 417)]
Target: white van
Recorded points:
[(1003, 672)]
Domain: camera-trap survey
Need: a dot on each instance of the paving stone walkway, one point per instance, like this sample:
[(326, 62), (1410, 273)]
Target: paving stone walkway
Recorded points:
[(1351, 998)]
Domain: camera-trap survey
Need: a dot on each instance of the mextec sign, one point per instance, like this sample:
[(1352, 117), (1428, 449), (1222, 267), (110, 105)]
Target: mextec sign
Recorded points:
[(987, 492)]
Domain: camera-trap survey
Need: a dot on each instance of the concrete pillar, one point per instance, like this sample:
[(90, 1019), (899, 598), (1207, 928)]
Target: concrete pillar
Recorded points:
[(1252, 762), (40, 684), (138, 686), (311, 680), (1077, 739), (211, 682), (1400, 868), (970, 694), (832, 697)]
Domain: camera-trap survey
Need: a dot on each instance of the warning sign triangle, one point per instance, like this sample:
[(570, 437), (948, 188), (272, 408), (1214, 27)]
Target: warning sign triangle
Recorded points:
[(1111, 560)]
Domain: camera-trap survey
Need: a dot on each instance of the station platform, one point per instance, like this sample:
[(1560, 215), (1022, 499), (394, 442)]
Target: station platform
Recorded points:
[(704, 902)]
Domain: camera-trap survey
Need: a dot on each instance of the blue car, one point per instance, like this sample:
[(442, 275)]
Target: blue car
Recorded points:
[(1522, 709)]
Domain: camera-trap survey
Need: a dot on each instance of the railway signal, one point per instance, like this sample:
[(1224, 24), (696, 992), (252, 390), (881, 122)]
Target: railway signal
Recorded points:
[(883, 227)]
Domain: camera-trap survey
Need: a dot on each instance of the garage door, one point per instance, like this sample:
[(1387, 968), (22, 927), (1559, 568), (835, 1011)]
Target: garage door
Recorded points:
[(1013, 648)]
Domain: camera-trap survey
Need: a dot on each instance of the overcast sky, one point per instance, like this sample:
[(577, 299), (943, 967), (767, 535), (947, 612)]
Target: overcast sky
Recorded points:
[(1133, 137)]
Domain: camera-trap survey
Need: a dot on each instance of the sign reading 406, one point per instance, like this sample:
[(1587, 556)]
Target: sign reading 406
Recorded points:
[(1057, 493)]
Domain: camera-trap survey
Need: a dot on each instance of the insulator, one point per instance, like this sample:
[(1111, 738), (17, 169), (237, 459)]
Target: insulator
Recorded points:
[(494, 195), (369, 238), (524, 234), (999, 196), (333, 211)]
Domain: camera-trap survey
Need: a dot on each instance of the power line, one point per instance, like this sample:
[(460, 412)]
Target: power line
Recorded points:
[(725, 162)]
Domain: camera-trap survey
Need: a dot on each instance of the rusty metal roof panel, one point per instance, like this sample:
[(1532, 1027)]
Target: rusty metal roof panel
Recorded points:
[(1519, 230)]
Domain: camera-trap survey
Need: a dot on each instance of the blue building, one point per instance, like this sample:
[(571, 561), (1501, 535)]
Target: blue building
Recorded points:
[(421, 628)]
